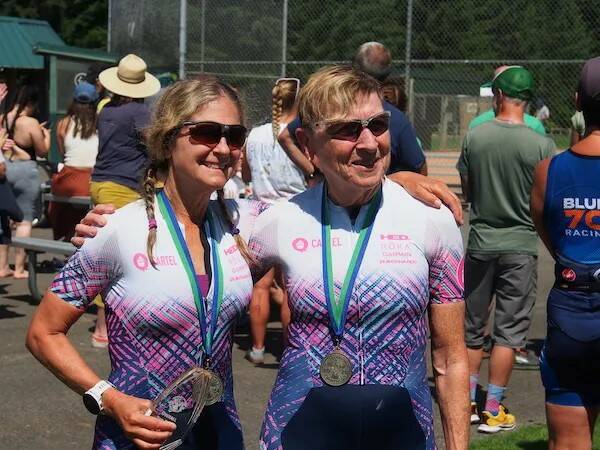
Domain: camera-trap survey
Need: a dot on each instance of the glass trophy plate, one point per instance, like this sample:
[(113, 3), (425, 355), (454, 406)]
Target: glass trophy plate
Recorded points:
[(182, 403)]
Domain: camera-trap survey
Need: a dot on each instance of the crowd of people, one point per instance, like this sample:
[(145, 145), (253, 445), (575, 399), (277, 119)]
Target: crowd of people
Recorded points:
[(344, 232)]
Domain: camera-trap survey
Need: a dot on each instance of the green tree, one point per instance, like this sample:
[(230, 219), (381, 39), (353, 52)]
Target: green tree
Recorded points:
[(79, 22)]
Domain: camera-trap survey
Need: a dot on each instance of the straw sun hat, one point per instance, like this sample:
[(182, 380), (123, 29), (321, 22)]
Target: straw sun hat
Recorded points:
[(130, 78)]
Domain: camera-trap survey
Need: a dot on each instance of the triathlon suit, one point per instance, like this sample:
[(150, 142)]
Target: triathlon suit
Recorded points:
[(414, 258), (570, 360), (153, 324)]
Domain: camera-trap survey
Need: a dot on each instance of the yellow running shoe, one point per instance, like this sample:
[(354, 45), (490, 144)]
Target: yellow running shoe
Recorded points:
[(502, 421)]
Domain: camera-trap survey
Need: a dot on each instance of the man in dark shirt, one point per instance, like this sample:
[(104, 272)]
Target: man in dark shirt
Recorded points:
[(375, 59)]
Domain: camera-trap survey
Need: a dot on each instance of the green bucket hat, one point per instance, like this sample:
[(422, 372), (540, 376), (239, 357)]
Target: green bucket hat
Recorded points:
[(515, 82)]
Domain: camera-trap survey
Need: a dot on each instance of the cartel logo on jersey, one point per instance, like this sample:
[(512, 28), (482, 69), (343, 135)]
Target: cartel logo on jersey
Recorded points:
[(141, 261), (301, 244)]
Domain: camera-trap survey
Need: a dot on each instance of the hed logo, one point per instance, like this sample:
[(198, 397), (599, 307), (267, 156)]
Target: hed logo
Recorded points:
[(300, 244)]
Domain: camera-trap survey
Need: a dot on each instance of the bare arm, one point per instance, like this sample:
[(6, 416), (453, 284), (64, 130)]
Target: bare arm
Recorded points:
[(464, 184), (429, 191), (575, 137), (48, 342), (61, 132), (451, 371), (538, 194), (294, 153), (3, 136), (40, 136)]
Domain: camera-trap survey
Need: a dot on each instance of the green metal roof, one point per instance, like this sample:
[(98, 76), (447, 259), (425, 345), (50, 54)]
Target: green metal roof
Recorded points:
[(17, 39), (75, 52)]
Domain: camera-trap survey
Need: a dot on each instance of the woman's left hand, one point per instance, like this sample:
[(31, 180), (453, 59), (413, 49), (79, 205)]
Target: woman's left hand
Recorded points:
[(432, 192)]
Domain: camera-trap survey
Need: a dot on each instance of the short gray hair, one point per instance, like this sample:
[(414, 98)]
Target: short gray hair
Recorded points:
[(375, 59)]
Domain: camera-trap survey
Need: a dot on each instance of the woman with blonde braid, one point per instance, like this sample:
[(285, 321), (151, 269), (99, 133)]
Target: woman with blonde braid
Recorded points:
[(173, 274), (274, 178)]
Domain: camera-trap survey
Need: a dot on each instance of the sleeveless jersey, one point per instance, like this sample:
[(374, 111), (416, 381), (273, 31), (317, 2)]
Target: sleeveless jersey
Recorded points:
[(572, 207), (414, 257), (153, 326), (572, 218)]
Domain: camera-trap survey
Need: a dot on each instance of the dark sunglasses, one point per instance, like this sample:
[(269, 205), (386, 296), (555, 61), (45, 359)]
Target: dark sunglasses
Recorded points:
[(210, 133), (350, 130)]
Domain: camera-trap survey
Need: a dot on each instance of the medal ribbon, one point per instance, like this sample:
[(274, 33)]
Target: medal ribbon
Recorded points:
[(339, 308), (217, 271)]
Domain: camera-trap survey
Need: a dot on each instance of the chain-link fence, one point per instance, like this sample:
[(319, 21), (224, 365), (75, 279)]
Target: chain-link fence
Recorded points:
[(445, 48)]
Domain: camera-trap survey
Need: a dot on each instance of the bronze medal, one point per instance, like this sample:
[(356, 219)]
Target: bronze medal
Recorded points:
[(336, 368), (214, 389)]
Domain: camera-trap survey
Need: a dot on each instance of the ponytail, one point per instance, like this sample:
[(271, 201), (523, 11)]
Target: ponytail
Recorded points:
[(148, 191), (276, 109), (239, 241)]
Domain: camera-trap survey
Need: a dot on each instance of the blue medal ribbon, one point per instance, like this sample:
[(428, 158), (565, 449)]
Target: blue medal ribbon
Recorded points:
[(338, 308), (200, 301)]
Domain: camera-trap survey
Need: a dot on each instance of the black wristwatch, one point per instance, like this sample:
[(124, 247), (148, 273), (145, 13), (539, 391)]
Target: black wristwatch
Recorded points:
[(92, 399)]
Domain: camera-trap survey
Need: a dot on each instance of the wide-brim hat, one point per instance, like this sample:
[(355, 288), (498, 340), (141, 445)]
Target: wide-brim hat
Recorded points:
[(130, 78)]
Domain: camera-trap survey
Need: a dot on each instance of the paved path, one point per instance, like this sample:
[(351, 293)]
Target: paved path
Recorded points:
[(442, 166), (39, 412)]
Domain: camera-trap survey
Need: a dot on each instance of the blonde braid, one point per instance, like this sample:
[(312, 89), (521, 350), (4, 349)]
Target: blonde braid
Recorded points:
[(239, 241), (276, 109), (148, 191)]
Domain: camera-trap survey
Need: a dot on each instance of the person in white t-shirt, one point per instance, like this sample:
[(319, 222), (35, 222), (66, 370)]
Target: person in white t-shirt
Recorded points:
[(274, 178)]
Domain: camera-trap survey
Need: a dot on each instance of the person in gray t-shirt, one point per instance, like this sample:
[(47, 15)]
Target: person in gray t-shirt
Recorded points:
[(496, 167)]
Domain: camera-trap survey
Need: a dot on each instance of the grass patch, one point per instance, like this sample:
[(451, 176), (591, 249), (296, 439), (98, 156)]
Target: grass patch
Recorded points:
[(529, 437)]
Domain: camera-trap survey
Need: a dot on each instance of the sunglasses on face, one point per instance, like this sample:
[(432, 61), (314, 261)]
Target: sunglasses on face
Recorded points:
[(210, 134), (350, 130)]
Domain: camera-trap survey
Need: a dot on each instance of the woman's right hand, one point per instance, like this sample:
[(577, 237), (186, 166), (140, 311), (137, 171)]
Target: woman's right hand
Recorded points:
[(146, 432), (8, 144), (87, 228)]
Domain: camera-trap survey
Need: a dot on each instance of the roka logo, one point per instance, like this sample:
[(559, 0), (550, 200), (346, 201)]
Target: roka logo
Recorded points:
[(300, 244), (140, 261)]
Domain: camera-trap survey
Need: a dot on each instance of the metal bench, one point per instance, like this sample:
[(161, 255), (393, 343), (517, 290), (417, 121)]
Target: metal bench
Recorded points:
[(35, 246), (83, 201)]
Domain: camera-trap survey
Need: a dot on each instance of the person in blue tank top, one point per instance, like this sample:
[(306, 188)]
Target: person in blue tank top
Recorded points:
[(565, 205)]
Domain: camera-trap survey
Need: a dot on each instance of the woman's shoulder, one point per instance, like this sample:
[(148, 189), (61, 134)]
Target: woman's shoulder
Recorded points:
[(26, 122), (128, 218), (405, 205)]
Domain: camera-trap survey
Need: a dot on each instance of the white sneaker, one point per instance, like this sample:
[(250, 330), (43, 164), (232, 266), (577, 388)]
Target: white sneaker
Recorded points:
[(474, 414), (256, 355)]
